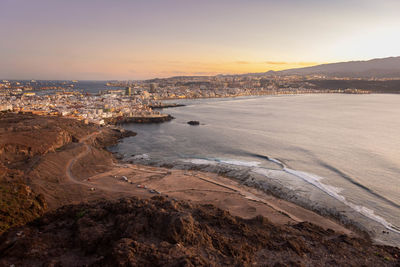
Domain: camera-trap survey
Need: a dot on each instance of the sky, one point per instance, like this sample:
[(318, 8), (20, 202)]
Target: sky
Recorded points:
[(141, 39)]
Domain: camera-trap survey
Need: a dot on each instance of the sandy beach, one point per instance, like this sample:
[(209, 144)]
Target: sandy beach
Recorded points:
[(84, 171), (202, 188), (68, 181)]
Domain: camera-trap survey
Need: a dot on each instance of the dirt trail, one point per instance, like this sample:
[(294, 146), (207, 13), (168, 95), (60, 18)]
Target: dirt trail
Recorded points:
[(197, 187), (84, 153)]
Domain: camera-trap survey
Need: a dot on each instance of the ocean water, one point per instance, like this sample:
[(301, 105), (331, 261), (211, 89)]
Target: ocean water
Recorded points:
[(333, 153), (91, 87)]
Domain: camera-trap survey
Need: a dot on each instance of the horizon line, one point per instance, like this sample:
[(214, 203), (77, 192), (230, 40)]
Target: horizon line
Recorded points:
[(194, 75)]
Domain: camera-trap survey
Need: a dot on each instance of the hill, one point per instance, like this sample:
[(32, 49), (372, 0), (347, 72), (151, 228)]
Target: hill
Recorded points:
[(61, 205), (164, 232), (379, 68)]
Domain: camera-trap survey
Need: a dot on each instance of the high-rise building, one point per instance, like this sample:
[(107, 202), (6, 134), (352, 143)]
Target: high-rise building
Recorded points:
[(153, 87), (128, 91)]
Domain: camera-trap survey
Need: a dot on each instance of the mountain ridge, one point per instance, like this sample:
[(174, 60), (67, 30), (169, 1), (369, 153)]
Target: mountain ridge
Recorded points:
[(388, 67)]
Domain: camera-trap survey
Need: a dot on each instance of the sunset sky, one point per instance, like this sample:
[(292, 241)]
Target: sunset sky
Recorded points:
[(133, 39)]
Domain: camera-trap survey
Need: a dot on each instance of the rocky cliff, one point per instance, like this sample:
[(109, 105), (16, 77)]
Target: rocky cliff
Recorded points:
[(165, 232), (27, 142)]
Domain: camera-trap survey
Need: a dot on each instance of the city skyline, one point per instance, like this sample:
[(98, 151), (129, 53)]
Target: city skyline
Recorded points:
[(102, 40)]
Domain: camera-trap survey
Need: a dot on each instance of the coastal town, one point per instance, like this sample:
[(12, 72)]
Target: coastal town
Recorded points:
[(199, 133), (138, 101), (110, 106), (182, 87)]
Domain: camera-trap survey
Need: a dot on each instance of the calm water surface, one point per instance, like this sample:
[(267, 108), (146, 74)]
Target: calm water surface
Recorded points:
[(340, 150)]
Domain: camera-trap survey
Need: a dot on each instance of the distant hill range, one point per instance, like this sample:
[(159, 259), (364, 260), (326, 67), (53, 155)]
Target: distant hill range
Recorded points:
[(378, 68)]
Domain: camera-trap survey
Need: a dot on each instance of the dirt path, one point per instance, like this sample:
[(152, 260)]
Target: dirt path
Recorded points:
[(145, 181), (71, 162)]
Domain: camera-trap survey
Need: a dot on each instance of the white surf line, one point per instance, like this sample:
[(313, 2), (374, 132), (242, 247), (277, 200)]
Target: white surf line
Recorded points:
[(330, 190), (333, 192)]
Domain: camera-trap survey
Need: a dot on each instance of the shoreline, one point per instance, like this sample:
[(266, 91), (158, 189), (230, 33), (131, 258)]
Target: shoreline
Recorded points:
[(268, 94), (279, 210), (141, 119), (86, 158), (77, 171), (242, 175), (202, 187), (228, 172), (384, 229), (166, 105)]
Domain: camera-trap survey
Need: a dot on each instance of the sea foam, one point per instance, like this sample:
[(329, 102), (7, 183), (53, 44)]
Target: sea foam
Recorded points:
[(309, 178)]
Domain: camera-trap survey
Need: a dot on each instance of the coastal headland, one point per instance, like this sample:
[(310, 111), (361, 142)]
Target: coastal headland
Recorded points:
[(66, 201), (154, 118), (161, 105)]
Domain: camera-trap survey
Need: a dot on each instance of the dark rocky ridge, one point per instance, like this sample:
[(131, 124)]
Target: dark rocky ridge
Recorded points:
[(164, 232)]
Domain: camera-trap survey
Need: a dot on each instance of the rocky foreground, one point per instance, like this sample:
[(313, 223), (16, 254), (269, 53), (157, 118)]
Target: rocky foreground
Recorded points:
[(165, 232), (32, 151), (45, 166)]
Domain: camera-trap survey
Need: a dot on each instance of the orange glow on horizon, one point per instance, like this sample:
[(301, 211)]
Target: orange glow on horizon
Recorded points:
[(133, 40), (148, 70)]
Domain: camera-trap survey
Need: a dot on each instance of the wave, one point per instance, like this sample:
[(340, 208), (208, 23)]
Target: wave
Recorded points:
[(214, 161), (200, 161), (309, 178), (142, 156), (337, 171), (354, 182), (281, 164), (239, 162), (334, 192)]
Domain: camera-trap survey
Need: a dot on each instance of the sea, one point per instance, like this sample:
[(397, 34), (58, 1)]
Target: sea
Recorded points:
[(90, 87), (337, 154)]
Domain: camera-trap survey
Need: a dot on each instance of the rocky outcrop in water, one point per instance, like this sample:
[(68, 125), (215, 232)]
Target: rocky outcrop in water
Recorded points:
[(193, 122), (140, 119), (166, 105)]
